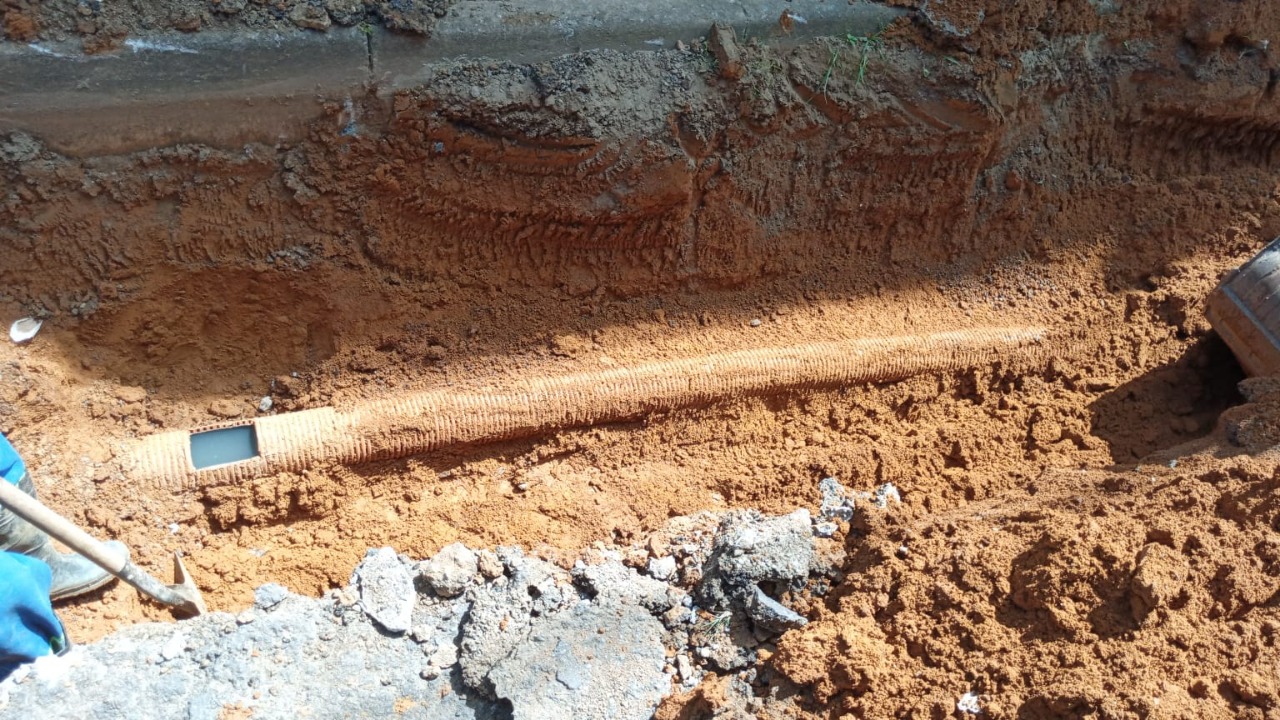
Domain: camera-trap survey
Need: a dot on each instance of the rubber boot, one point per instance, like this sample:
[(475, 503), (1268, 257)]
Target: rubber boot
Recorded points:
[(72, 574)]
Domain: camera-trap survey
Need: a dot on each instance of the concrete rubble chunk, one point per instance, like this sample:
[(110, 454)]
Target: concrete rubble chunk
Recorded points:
[(837, 504), (771, 614), (885, 494), (689, 673), (445, 656), (451, 571), (757, 549), (386, 590), (600, 661), (751, 549), (530, 640), (614, 582)]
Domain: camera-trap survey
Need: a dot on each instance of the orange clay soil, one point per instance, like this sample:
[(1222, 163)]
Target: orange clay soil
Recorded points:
[(1059, 551)]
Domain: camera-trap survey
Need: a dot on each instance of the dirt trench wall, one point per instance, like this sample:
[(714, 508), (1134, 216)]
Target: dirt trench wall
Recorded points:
[(627, 173), (1086, 167)]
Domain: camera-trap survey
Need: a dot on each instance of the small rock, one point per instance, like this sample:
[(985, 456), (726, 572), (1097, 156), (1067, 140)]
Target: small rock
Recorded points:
[(345, 12), (430, 672), (724, 46), (228, 7), (755, 322), (246, 617), (451, 570), (1158, 578), (968, 703), (185, 20), (489, 564), (264, 405), (445, 656), (99, 453), (662, 568), (386, 590), (825, 529), (225, 408), (129, 393), (686, 668), (676, 616), (174, 647), (269, 596), (306, 15), (415, 16)]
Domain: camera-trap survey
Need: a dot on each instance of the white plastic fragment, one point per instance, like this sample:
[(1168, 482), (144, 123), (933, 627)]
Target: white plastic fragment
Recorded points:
[(25, 329), (968, 703)]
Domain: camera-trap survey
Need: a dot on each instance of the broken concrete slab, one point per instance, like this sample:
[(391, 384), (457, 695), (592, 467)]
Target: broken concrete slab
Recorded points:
[(302, 658), (503, 611), (529, 641), (595, 661)]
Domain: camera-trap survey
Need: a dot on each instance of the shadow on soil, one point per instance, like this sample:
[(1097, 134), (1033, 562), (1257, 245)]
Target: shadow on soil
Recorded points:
[(1172, 404)]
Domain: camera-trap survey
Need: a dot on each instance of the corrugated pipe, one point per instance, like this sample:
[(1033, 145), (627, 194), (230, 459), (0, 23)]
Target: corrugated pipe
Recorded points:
[(422, 421)]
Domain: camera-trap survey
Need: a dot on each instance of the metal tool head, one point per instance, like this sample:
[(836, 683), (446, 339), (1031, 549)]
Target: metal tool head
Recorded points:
[(189, 599)]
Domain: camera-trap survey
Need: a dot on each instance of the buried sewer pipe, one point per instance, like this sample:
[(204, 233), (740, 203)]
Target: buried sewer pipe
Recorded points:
[(422, 421)]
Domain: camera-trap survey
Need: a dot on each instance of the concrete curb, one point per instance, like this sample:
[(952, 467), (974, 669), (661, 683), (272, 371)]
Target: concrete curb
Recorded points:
[(230, 88), (534, 30), (224, 89)]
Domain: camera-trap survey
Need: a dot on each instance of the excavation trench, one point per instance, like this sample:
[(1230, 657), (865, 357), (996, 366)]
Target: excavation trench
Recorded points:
[(555, 305)]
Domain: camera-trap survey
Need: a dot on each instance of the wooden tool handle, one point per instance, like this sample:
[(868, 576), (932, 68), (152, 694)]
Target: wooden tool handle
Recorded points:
[(58, 527)]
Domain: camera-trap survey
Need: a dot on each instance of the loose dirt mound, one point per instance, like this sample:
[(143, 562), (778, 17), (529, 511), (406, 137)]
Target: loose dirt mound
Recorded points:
[(1089, 169)]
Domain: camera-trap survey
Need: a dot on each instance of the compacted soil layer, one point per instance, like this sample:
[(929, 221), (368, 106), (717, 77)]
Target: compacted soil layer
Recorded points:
[(1080, 534)]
